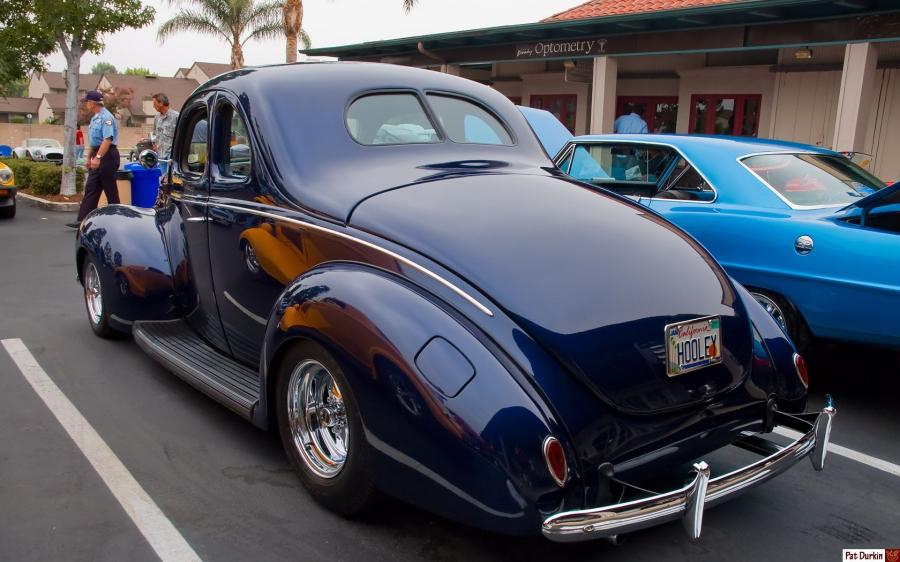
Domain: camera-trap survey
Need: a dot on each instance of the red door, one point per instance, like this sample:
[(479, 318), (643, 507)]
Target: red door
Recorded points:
[(561, 105), (724, 114), (660, 112)]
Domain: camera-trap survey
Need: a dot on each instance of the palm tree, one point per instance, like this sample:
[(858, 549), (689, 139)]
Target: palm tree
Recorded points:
[(235, 21), (292, 19)]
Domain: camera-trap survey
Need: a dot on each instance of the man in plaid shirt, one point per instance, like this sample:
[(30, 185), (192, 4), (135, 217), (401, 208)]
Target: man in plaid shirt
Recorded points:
[(164, 130)]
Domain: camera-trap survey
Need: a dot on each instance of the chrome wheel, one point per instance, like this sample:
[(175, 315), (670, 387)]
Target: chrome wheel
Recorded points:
[(318, 419), (250, 260), (92, 294), (772, 308)]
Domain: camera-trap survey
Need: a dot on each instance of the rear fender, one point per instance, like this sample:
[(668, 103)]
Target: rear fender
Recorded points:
[(464, 440), (127, 245)]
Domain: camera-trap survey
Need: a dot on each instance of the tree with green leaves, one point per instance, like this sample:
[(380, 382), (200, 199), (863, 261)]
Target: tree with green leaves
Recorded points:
[(138, 71), (291, 23), (104, 68), (35, 28), (234, 21), (14, 89)]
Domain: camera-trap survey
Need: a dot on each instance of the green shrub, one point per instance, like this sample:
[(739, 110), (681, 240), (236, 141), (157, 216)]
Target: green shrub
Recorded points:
[(17, 119), (42, 178)]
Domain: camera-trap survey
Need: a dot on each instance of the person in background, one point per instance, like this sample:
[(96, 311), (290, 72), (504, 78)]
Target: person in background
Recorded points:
[(79, 144), (103, 159), (632, 122), (164, 130)]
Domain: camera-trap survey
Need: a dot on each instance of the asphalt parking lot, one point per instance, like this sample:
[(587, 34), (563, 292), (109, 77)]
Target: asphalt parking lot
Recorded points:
[(226, 488)]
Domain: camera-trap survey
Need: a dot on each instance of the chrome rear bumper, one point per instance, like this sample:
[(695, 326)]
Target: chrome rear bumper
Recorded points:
[(689, 502)]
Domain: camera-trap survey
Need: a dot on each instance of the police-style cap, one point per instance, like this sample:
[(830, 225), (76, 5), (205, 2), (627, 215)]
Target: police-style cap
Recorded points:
[(93, 95)]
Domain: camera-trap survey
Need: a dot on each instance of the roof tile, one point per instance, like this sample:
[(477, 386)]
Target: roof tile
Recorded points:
[(606, 8)]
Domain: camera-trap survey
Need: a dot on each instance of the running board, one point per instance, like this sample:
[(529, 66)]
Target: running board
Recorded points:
[(178, 347)]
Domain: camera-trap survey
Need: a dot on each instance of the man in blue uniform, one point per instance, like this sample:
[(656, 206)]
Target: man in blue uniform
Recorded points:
[(102, 158)]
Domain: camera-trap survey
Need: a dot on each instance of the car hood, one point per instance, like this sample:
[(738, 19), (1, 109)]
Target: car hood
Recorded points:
[(593, 277)]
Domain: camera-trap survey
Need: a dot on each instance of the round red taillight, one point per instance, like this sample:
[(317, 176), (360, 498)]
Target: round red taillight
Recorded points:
[(556, 460), (800, 366)]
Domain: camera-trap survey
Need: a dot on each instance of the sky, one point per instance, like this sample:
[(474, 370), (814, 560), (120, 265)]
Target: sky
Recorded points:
[(328, 23)]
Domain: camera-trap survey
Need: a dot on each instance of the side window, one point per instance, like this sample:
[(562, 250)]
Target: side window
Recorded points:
[(232, 148), (685, 183), (466, 122), (390, 119), (192, 157), (620, 163)]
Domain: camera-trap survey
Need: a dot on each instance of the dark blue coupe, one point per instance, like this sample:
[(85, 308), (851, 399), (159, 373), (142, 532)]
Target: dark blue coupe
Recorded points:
[(384, 264)]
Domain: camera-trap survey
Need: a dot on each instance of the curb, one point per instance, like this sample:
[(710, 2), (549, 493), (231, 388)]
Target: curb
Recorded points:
[(48, 205)]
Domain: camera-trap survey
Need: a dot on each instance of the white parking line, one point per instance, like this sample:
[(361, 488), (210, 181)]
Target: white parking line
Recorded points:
[(163, 537), (868, 460)]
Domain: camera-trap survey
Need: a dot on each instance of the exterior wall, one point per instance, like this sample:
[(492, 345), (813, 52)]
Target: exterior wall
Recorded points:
[(509, 88), (44, 111), (805, 108), (37, 86), (15, 134), (647, 86), (727, 80), (554, 83), (197, 74), (883, 136)]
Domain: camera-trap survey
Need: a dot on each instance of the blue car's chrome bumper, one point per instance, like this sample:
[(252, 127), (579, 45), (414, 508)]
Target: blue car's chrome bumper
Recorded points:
[(689, 502)]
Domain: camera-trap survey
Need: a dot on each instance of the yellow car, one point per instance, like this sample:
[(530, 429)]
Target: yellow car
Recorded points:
[(7, 192)]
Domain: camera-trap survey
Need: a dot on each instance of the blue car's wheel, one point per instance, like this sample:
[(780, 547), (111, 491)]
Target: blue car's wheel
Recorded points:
[(321, 430), (787, 316)]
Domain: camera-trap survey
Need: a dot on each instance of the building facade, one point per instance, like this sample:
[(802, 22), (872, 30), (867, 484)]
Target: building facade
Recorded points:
[(819, 72)]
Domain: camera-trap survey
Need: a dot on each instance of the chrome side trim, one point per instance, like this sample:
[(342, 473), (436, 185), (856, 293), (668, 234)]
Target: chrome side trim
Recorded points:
[(393, 255), (690, 501), (663, 144), (794, 206)]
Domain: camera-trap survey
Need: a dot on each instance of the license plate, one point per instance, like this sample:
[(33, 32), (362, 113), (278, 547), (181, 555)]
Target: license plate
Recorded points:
[(693, 345)]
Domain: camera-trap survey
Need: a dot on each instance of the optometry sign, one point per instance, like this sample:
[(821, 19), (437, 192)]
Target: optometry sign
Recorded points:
[(544, 49)]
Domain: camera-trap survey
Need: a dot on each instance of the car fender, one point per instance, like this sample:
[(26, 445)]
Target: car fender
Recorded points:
[(449, 428), (127, 245)]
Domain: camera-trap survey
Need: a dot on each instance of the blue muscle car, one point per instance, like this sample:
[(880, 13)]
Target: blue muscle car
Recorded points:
[(395, 276), (814, 237)]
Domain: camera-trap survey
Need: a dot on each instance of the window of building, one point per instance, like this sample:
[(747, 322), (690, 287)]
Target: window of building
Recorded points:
[(720, 114), (393, 118), (465, 122), (660, 112), (232, 144), (563, 106)]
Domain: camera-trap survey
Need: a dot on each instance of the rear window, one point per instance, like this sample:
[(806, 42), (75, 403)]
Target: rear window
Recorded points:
[(814, 179), (390, 119), (466, 122)]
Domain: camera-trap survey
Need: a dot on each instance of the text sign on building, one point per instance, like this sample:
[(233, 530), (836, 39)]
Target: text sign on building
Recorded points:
[(579, 48)]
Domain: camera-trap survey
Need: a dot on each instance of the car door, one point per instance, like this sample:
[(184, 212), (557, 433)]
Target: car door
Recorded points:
[(186, 230), (252, 257)]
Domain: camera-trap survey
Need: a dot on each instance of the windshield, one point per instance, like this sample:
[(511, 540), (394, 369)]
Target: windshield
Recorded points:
[(808, 180), (43, 142)]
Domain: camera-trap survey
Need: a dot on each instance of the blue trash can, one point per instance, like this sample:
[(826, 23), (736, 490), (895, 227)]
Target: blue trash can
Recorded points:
[(144, 184)]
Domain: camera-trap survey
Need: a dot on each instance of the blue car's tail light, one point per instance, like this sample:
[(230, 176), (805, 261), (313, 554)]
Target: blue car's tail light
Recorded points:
[(555, 458), (800, 367)]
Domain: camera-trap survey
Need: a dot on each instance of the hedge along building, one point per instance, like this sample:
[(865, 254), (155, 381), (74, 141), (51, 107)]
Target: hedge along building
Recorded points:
[(823, 72)]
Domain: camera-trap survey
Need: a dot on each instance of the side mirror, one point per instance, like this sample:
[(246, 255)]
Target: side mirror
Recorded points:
[(148, 159)]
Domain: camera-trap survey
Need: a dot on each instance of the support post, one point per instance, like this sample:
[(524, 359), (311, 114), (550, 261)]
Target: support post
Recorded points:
[(856, 95), (603, 95)]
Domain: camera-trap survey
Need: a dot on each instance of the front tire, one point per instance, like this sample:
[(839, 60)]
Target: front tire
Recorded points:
[(321, 430), (94, 301), (8, 212)]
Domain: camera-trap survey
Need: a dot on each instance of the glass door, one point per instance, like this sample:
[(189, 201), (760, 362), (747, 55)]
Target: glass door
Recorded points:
[(561, 105), (660, 112), (722, 114)]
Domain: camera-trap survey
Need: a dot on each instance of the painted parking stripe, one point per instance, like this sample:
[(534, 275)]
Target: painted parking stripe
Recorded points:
[(833, 448), (163, 537)]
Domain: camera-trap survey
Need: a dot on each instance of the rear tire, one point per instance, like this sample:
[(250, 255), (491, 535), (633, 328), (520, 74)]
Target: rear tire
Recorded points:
[(321, 430), (95, 299), (787, 316), (8, 212)]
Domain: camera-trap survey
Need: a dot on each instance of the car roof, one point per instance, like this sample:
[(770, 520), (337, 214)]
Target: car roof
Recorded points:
[(733, 146), (297, 113)]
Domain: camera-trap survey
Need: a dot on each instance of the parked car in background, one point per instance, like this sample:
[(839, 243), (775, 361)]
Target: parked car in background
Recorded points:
[(394, 275), (41, 150), (142, 145), (7, 192), (814, 237)]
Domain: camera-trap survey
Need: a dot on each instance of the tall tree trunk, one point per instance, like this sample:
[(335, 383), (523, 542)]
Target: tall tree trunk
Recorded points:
[(237, 54), (293, 19), (72, 54)]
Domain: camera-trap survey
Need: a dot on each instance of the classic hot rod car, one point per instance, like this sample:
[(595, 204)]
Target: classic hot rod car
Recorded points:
[(396, 277)]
